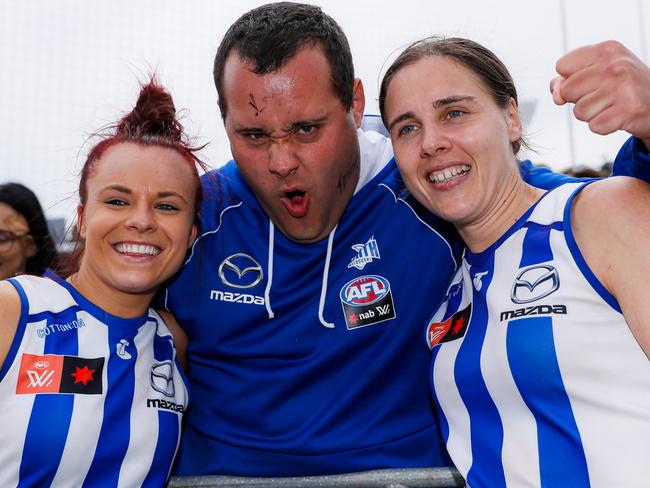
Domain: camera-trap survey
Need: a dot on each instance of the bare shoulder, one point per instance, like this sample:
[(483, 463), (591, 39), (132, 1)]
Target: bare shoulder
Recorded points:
[(9, 316), (610, 219), (180, 338), (616, 200), (611, 225)]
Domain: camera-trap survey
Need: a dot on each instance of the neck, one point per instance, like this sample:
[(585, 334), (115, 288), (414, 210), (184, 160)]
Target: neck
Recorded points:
[(115, 302), (512, 200)]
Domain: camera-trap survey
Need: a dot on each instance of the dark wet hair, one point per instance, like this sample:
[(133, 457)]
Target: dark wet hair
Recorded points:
[(472, 55), (24, 201), (270, 35)]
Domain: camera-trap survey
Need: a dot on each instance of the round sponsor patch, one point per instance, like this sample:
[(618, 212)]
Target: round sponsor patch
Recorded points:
[(365, 290)]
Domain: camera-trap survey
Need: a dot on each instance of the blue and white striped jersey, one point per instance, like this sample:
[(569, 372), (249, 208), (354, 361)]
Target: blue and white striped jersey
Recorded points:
[(87, 398), (537, 377)]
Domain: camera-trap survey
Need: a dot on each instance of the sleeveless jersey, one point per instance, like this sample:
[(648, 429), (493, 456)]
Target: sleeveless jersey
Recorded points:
[(537, 377), (87, 398)]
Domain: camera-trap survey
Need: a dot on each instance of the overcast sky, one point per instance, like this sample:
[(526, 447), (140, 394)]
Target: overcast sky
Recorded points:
[(69, 67)]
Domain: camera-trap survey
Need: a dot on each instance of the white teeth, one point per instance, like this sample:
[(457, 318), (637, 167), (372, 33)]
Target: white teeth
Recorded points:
[(137, 249), (448, 173)]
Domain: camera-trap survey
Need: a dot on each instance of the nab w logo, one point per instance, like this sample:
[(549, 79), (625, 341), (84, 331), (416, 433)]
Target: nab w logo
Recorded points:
[(43, 379), (383, 309)]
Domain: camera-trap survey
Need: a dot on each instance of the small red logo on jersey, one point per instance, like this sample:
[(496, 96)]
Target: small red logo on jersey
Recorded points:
[(39, 374), (83, 375), (452, 328), (59, 374)]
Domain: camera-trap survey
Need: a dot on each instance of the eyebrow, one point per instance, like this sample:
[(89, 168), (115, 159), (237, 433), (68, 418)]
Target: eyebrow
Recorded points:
[(288, 129), (453, 99), (436, 104), (161, 194)]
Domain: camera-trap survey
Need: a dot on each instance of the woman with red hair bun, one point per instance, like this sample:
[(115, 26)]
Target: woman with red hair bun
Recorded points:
[(90, 388)]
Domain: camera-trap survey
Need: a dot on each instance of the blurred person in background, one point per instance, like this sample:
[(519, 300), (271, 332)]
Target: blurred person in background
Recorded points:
[(26, 245)]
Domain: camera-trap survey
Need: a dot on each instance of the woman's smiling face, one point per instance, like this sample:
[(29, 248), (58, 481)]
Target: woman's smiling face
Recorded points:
[(138, 219), (452, 142)]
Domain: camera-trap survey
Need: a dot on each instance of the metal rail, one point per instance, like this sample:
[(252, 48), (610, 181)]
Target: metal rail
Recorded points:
[(388, 478)]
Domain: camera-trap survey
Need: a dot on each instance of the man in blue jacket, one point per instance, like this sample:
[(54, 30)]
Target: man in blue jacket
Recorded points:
[(306, 296)]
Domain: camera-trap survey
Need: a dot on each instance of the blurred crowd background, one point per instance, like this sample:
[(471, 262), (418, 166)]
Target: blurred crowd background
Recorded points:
[(70, 67)]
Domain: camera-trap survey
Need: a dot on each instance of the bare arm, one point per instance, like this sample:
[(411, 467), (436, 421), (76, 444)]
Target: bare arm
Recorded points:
[(611, 224), (180, 338), (9, 316)]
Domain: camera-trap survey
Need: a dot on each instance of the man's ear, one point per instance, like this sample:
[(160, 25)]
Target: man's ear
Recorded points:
[(358, 102)]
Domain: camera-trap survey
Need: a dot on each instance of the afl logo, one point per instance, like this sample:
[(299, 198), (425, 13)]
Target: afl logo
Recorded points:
[(365, 290)]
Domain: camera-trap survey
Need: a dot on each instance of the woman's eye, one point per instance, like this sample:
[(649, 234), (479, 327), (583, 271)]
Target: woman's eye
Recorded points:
[(117, 202), (406, 130), (454, 114), (166, 206)]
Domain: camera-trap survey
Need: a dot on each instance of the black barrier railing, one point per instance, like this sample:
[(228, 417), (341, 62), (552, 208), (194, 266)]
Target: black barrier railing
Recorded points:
[(389, 478)]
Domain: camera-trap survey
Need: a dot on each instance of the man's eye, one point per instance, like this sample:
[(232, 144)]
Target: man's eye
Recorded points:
[(306, 129), (255, 136)]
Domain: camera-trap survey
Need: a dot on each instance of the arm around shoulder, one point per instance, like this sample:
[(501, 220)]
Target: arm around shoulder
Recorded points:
[(180, 338), (611, 224), (9, 317)]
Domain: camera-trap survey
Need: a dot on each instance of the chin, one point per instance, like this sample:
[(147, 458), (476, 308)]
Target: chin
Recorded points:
[(138, 286)]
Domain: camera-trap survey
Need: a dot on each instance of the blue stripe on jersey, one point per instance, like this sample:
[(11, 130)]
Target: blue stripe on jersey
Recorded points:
[(115, 432), (485, 424), (531, 348), (535, 370), (580, 260), (33, 471), (537, 237), (165, 449), (20, 330), (37, 317)]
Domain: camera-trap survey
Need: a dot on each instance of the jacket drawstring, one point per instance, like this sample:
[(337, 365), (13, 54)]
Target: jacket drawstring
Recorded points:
[(269, 280), (323, 290)]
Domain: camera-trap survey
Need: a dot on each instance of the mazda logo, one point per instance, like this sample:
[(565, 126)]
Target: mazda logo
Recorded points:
[(534, 282), (240, 271), (162, 378)]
